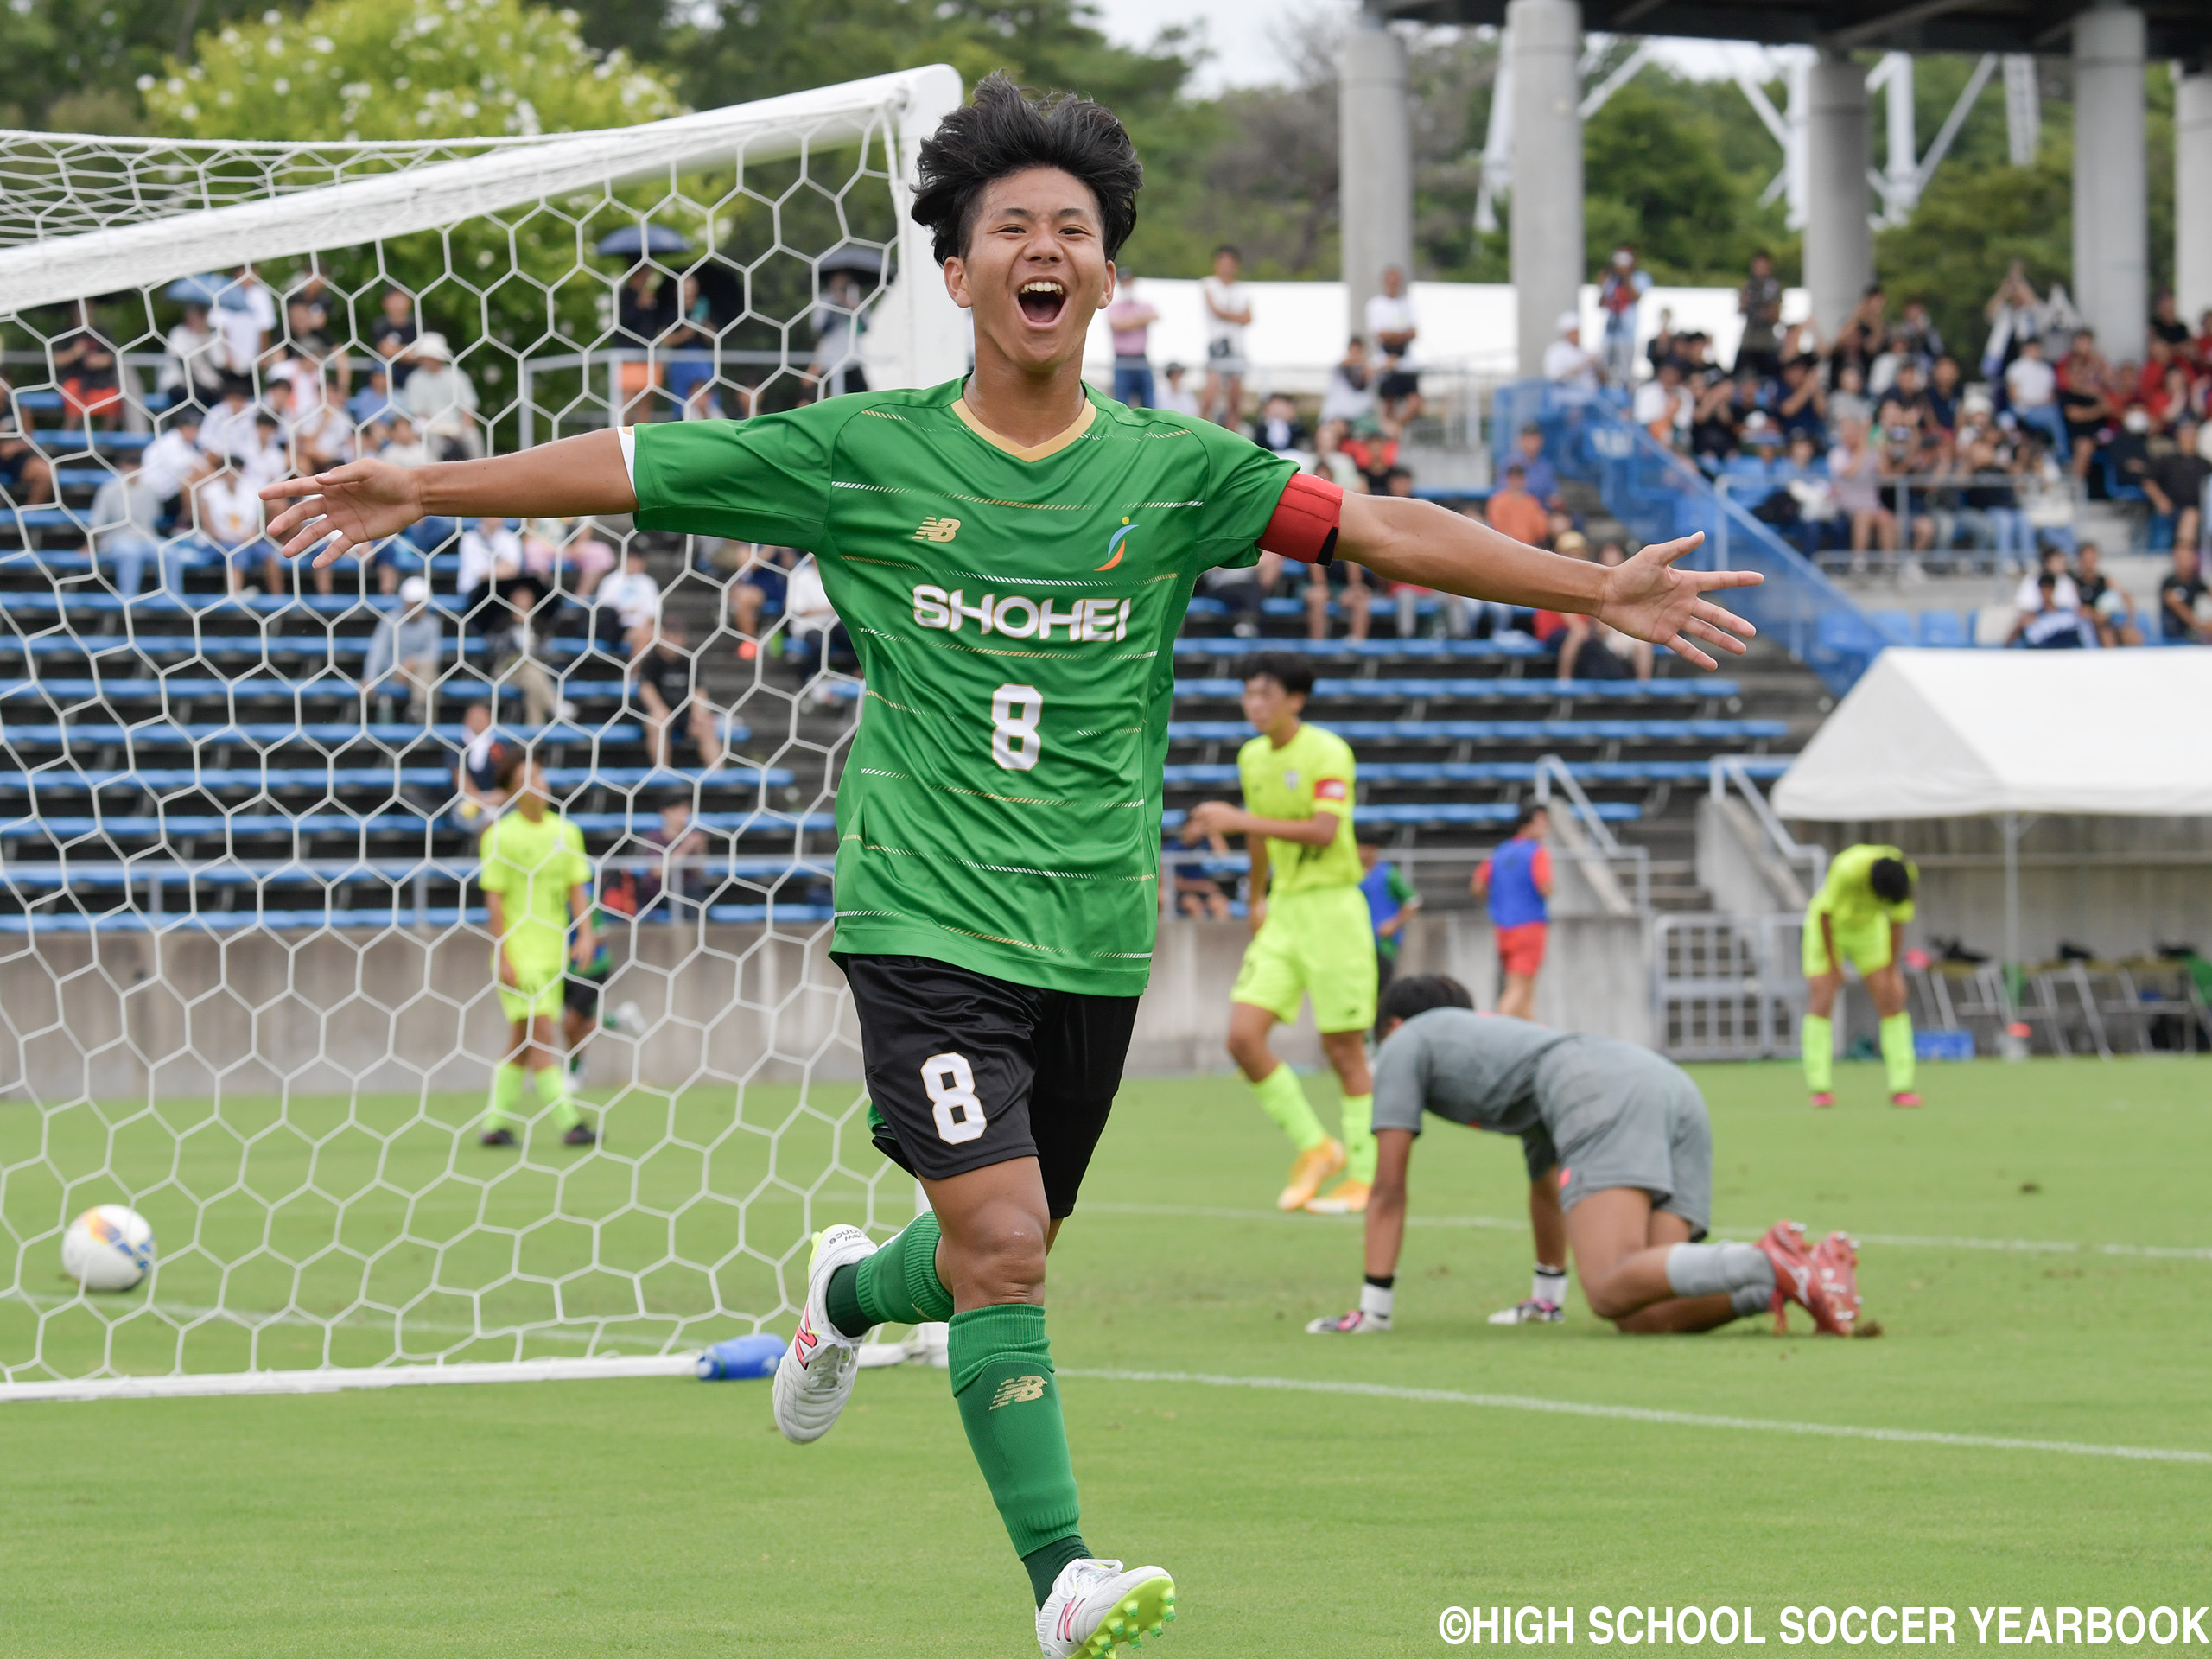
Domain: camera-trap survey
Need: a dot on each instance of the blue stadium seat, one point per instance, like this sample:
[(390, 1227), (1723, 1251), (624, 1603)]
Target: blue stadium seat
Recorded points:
[(1945, 628), (1895, 627), (1480, 689), (1503, 731)]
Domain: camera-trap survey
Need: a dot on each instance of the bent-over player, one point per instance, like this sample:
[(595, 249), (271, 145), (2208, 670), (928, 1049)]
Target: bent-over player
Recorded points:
[(1012, 555), (1628, 1126), (1858, 917)]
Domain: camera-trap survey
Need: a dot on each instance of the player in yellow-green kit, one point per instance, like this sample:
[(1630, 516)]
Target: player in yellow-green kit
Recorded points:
[(1312, 934), (536, 886), (1858, 917)]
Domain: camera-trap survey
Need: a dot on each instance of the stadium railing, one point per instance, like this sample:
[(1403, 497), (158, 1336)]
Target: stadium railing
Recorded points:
[(1660, 496)]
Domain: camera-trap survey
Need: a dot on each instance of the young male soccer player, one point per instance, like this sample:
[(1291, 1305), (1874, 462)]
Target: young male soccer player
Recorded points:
[(1630, 1129), (1858, 917), (1013, 556), (1516, 882), (536, 882), (1312, 935)]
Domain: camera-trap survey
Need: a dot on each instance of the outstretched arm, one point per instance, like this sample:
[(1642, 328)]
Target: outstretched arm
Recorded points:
[(1647, 598), (1386, 1201), (365, 501)]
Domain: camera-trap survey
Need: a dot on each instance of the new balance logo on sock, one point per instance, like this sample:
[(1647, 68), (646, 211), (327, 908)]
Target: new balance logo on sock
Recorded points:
[(1017, 1388)]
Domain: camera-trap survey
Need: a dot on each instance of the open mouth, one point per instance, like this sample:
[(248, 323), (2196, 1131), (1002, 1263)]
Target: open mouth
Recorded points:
[(1042, 301)]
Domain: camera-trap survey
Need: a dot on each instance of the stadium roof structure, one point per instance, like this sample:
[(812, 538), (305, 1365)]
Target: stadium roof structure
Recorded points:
[(2174, 28), (1969, 733)]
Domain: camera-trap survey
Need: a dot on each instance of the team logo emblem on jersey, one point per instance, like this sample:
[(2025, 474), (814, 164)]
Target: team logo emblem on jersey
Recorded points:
[(938, 530), (1291, 778), (1114, 548), (1015, 1389)]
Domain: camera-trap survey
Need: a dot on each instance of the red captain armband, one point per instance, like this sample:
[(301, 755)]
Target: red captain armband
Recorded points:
[(1307, 520), (1332, 789)]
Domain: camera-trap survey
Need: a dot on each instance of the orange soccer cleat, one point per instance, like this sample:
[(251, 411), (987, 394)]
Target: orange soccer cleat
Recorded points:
[(1797, 1278), (1311, 1168)]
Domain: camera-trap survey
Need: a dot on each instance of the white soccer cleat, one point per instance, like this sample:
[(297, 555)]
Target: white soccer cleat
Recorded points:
[(1358, 1323), (815, 1376), (1530, 1312), (1095, 1607)]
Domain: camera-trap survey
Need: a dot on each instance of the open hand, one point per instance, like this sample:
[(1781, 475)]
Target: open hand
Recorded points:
[(1647, 598), (353, 505)]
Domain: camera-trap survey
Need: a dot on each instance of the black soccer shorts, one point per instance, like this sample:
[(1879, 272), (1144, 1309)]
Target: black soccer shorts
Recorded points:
[(579, 992), (965, 1071)]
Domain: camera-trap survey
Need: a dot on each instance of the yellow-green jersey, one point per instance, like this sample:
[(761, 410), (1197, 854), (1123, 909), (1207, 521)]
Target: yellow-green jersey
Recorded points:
[(1312, 773), (1847, 897), (1014, 610), (533, 866)]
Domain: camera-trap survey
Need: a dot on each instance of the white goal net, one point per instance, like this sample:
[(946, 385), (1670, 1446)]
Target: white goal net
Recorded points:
[(245, 980)]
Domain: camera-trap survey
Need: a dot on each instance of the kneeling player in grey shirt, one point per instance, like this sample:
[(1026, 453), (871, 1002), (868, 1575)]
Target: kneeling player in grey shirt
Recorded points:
[(1630, 1130)]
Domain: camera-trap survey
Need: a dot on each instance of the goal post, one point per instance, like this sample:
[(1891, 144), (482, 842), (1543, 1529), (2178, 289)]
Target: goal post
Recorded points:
[(246, 974)]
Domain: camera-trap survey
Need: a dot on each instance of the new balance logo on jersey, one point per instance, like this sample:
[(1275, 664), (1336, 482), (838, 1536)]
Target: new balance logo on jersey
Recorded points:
[(938, 530), (1020, 617), (1015, 1389)]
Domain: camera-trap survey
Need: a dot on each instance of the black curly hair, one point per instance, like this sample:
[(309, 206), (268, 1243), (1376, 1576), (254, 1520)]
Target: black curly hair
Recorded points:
[(1003, 131)]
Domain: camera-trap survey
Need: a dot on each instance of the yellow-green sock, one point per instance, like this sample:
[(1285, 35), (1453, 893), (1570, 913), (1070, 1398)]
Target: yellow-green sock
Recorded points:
[(553, 1091), (1359, 1138), (1283, 1098), (507, 1095), (1897, 1052), (1818, 1036)]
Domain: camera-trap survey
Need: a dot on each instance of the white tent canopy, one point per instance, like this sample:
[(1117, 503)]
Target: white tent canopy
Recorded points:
[(1959, 734)]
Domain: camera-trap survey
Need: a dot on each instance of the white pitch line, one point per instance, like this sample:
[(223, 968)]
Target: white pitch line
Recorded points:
[(1647, 1414), (1893, 1241)]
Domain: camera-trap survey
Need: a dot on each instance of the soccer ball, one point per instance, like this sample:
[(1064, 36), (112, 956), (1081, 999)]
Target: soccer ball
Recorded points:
[(108, 1248)]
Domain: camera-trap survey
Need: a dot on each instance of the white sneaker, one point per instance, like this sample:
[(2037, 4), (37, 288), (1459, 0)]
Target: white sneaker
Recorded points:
[(1530, 1312), (1358, 1323), (815, 1376), (1095, 1607)]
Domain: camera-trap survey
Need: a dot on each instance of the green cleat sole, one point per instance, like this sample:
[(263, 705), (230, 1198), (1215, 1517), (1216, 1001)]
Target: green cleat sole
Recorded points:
[(1144, 1612)]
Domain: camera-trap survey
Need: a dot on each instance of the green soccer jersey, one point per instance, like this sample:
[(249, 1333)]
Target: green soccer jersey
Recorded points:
[(532, 866), (1313, 772), (1014, 611)]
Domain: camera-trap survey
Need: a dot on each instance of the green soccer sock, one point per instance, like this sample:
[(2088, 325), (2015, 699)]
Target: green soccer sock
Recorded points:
[(553, 1091), (898, 1285), (1359, 1138), (1283, 1098), (1818, 1036), (507, 1095), (1010, 1406), (1897, 1052)]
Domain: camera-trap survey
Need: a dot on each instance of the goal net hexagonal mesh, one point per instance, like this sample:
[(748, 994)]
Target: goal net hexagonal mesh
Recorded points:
[(245, 982)]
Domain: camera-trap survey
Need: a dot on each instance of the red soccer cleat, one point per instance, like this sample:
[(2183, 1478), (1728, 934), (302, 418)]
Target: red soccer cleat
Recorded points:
[(1902, 1097), (1835, 1268), (1823, 1099), (1797, 1278)]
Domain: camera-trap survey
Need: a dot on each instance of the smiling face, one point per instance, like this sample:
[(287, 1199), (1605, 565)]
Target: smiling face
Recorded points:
[(1035, 268)]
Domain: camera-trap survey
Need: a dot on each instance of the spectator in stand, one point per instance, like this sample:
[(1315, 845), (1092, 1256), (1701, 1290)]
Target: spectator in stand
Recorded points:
[(1370, 447), (1538, 476), (482, 775), (679, 845), (2033, 595), (26, 476), (2015, 317), (1847, 400), (1512, 509), (307, 316), (174, 461), (1714, 421), (227, 433), (662, 685), (124, 530), (2182, 608), (1942, 394), (1992, 506), (1279, 430), (1130, 320), (763, 580), (1854, 474), (373, 402), (409, 648), (1198, 895), (2107, 607), (838, 326), (1915, 335), (564, 558), (1350, 395), (192, 368), (2166, 327), (85, 365), (1228, 314), (321, 436), (626, 605), (402, 445), (1759, 302), (815, 639), (2046, 493), (2176, 484), (227, 514), (690, 344), (491, 570), (1619, 292), (1392, 326), (2031, 392), (246, 315), (2086, 404), (1588, 649), (1663, 405), (1176, 397), (2052, 624), (267, 461), (440, 400), (393, 334), (1566, 363), (1862, 337)]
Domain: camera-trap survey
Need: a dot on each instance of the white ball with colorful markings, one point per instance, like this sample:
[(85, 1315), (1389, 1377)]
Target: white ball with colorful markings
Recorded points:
[(110, 1247)]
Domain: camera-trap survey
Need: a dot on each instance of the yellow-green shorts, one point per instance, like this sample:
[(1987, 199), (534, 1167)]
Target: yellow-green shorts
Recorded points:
[(538, 990), (1865, 946), (1318, 943)]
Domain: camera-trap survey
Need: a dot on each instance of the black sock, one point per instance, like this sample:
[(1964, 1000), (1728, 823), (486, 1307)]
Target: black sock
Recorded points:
[(1382, 1281), (1044, 1564), (842, 1300)]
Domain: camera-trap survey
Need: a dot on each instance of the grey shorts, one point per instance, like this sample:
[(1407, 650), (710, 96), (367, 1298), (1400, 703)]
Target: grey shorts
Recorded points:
[(1619, 1116)]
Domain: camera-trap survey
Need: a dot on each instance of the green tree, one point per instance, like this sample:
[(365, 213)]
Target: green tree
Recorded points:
[(1655, 173), (74, 66)]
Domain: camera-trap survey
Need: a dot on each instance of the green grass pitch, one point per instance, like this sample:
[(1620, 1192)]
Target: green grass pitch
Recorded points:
[(666, 1517)]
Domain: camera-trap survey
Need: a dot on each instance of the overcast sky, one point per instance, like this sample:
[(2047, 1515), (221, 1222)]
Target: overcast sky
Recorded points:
[(1245, 34)]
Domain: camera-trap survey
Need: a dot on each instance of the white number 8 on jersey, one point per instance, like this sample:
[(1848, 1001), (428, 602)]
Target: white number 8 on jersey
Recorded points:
[(1016, 710), (951, 1087)]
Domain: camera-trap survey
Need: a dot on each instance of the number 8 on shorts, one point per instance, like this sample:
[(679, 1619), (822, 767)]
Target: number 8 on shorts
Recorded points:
[(951, 1087)]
